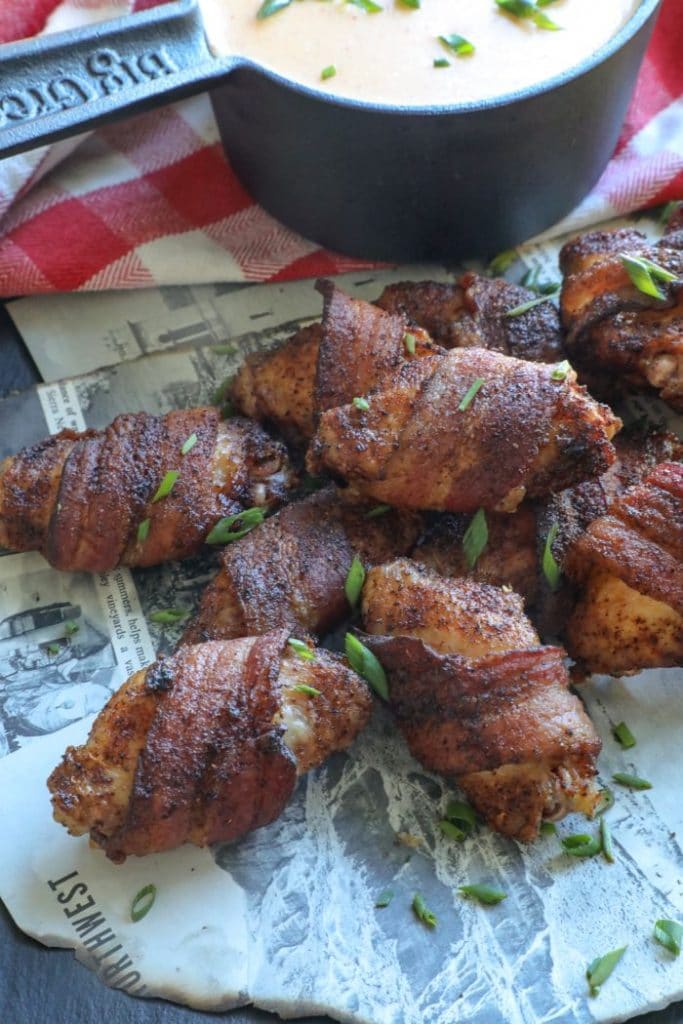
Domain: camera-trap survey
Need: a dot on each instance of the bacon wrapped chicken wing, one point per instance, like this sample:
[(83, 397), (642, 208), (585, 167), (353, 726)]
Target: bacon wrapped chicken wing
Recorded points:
[(478, 699), (146, 489), (206, 745)]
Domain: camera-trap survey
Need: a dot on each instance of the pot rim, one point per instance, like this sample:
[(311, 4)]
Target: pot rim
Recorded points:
[(630, 29)]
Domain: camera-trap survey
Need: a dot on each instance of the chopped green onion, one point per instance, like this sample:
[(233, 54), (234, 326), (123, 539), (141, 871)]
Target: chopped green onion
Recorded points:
[(301, 648), (502, 262), (600, 969), (606, 800), (548, 828), (189, 444), (669, 934), (329, 72), (414, 5), (631, 781), (409, 342), (269, 7), (223, 532), (366, 665), (531, 281), (422, 912), (384, 899), (309, 691), (551, 569), (545, 3), (457, 44), (668, 210), (169, 616), (527, 9), (355, 578), (378, 510), (526, 306), (53, 649), (143, 530), (451, 831), (143, 902), (441, 62), (644, 274), (227, 410), (362, 404), (366, 5), (475, 538), (606, 841), (166, 485), (623, 735), (470, 393), (561, 370), (71, 627), (582, 845), (228, 349), (483, 894), (462, 814)]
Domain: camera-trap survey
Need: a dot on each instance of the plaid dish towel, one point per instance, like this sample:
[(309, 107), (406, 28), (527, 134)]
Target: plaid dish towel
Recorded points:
[(118, 209)]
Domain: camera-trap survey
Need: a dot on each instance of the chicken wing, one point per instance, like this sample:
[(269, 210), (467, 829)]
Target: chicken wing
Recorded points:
[(619, 338), (147, 489), (478, 699), (206, 745), (474, 312), (467, 430), (290, 572), (628, 566)]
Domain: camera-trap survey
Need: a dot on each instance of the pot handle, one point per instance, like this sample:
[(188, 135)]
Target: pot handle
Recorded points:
[(62, 84)]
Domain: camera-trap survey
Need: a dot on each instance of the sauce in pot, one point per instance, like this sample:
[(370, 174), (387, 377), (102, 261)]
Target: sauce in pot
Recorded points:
[(395, 55)]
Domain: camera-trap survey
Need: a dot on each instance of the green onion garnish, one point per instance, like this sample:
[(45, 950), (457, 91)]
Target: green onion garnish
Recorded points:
[(462, 814), (600, 969), (189, 444), (631, 781), (269, 7), (143, 902), (623, 735), (526, 9), (409, 342), (223, 532), (228, 349), (441, 62), (582, 845), (551, 569), (169, 616), (329, 72), (378, 510), (526, 306), (483, 894), (457, 44), (366, 665), (366, 5), (606, 841), (475, 538), (606, 801), (502, 262), (143, 530), (414, 5), (71, 627), (301, 648), (53, 649), (644, 274), (384, 899), (309, 691), (531, 281), (470, 393), (561, 370), (362, 404), (668, 210), (669, 934), (355, 578), (548, 828), (166, 485), (422, 912), (452, 831)]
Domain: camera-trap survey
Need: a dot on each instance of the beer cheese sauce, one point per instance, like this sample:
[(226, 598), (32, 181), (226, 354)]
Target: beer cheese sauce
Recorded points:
[(388, 57)]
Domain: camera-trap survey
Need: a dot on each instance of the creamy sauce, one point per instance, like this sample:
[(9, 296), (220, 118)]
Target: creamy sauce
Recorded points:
[(389, 57)]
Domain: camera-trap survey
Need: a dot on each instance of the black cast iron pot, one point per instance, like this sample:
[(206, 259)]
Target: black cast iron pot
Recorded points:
[(372, 181)]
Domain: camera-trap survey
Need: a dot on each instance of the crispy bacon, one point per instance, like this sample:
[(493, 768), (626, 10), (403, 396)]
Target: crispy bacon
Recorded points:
[(206, 745), (80, 498)]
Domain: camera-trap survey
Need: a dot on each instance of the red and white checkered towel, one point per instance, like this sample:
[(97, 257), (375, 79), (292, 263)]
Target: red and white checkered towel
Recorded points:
[(120, 207)]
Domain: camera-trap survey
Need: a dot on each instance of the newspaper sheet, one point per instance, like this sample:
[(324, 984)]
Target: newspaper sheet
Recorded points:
[(286, 919)]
